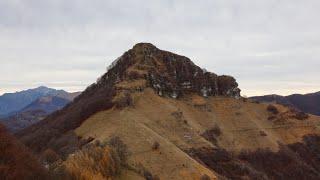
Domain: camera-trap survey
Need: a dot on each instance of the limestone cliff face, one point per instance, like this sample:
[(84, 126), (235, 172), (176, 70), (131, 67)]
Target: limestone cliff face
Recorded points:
[(169, 74)]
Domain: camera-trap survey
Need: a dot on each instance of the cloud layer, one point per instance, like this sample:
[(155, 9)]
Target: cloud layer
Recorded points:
[(270, 46)]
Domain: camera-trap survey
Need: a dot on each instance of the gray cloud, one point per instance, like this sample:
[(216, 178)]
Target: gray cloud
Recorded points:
[(270, 46)]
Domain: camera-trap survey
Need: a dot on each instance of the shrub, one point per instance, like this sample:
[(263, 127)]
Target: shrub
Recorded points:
[(262, 133), (222, 162), (309, 150), (293, 159), (134, 75), (93, 162), (98, 143), (147, 175), (273, 109), (50, 156), (301, 115), (212, 134), (177, 114), (297, 114), (66, 144), (155, 145), (120, 148), (124, 101), (270, 118), (205, 177), (216, 130)]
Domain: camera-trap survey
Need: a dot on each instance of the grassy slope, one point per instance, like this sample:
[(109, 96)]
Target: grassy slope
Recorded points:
[(153, 118)]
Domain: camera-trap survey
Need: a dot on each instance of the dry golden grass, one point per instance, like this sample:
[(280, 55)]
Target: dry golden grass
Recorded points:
[(151, 119), (95, 162), (198, 100)]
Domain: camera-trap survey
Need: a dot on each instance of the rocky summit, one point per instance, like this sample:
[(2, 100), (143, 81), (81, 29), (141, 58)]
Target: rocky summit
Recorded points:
[(169, 74)]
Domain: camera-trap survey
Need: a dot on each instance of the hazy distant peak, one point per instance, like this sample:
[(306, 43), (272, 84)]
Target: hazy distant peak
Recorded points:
[(12, 102)]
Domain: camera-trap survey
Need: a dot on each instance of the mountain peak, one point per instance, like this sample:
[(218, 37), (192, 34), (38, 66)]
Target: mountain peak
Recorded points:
[(42, 87), (144, 45), (167, 73)]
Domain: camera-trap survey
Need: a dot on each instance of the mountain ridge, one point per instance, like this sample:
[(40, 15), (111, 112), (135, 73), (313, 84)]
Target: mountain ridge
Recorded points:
[(173, 120), (309, 103)]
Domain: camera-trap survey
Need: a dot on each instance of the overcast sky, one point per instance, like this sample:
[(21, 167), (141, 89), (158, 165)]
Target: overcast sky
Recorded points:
[(269, 46)]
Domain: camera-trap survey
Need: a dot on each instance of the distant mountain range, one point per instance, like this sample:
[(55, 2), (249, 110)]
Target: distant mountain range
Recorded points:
[(22, 109), (13, 102), (309, 103)]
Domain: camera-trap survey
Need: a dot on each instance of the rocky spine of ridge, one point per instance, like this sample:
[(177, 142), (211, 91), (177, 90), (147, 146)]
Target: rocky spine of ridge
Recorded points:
[(169, 74), (145, 66)]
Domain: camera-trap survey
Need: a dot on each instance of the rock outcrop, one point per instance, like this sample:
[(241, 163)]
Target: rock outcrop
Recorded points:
[(169, 74)]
